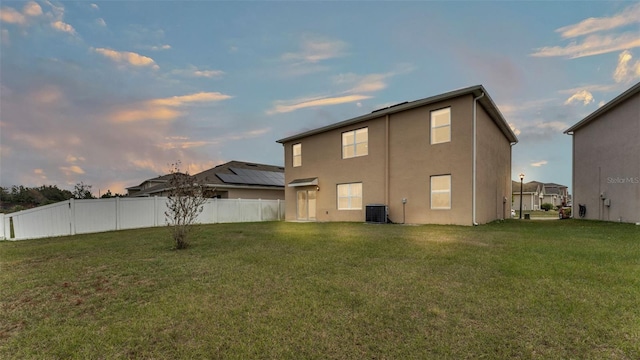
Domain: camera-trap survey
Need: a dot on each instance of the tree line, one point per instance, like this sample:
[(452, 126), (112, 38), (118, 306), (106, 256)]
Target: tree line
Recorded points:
[(16, 198)]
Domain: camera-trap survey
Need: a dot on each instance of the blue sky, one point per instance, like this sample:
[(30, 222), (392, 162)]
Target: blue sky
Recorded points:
[(111, 93)]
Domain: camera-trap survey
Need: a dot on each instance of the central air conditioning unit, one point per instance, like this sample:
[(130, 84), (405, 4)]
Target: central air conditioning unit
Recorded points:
[(376, 214)]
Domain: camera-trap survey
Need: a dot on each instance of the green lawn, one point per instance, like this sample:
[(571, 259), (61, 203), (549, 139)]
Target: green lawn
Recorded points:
[(529, 290)]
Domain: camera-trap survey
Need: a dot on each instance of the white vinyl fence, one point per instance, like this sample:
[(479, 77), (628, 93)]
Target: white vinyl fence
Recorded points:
[(90, 216)]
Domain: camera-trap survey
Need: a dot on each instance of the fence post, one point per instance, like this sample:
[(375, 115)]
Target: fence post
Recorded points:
[(155, 210), (2, 234), (217, 219), (72, 217), (118, 213)]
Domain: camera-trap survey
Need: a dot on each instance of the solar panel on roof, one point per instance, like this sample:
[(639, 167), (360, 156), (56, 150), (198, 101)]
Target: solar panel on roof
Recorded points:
[(253, 177)]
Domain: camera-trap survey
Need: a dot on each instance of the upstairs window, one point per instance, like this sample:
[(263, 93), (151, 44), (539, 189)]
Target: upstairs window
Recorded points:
[(350, 196), (441, 192), (441, 126), (297, 155), (355, 143)]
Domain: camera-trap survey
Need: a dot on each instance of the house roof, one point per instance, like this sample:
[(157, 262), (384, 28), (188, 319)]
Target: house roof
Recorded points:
[(535, 186), (486, 102), (635, 89), (529, 187), (233, 174), (159, 179)]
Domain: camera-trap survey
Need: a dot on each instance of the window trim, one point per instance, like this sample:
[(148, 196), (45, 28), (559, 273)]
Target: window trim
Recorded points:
[(294, 156), (349, 197), (432, 127), (432, 192), (355, 143)]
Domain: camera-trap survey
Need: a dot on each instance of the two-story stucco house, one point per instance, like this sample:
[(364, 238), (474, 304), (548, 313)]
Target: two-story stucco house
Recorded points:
[(606, 160), (445, 159)]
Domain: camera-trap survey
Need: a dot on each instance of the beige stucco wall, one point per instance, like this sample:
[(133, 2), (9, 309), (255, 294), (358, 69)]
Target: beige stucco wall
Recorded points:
[(412, 160), (606, 159), (322, 158), (265, 194), (493, 184)]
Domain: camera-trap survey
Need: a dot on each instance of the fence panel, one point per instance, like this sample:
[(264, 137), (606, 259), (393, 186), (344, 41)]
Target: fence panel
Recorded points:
[(96, 215), (45, 221), (136, 213), (270, 210)]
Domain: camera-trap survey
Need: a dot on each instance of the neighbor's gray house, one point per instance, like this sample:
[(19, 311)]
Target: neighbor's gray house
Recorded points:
[(231, 180), (555, 194), (606, 160), (147, 184), (535, 193), (445, 159), (532, 195)]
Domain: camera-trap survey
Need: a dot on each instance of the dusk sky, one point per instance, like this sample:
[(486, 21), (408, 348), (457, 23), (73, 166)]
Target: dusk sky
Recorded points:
[(111, 93)]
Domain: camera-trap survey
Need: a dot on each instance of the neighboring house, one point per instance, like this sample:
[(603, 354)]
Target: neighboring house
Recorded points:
[(532, 195), (606, 160), (445, 159), (535, 193), (147, 184), (232, 180), (555, 194)]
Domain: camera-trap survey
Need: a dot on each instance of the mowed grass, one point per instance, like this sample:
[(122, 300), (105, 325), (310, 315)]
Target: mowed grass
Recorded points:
[(510, 290)]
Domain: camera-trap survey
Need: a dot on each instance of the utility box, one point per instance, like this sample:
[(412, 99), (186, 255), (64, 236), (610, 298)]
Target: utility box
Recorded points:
[(376, 214)]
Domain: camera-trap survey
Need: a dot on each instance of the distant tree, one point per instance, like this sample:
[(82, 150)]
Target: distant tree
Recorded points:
[(82, 191), (184, 203), (108, 194), (54, 194)]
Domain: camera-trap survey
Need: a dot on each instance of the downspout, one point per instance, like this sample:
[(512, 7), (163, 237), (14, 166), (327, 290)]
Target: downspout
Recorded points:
[(473, 187)]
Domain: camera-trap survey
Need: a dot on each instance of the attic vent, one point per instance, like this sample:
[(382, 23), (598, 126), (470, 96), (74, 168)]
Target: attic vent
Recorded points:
[(254, 165), (376, 214)]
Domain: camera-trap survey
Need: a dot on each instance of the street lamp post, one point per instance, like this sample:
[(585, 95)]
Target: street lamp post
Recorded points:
[(521, 180)]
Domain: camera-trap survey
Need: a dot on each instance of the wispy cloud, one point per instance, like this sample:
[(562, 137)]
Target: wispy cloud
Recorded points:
[(514, 129), (73, 169), (101, 22), (357, 88), (598, 36), (583, 96), (32, 9), (539, 163), (557, 126), (292, 105), (314, 49), (63, 26), (192, 98), (193, 71), (127, 57), (164, 109), (630, 15), (12, 16), (626, 71), (592, 45), (160, 47)]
